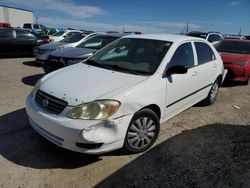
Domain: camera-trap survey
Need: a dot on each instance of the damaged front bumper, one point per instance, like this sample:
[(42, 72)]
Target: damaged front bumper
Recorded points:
[(85, 136)]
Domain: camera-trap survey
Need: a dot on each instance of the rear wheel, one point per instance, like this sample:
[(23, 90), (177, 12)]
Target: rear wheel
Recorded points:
[(142, 132), (212, 94)]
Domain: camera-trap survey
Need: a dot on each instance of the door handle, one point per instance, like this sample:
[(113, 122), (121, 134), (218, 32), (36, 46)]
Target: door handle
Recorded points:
[(195, 73)]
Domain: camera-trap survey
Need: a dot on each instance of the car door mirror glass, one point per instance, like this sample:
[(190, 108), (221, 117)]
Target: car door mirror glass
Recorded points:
[(177, 69)]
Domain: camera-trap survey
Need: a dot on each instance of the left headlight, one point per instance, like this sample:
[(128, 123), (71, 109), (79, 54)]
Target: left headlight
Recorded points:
[(94, 110)]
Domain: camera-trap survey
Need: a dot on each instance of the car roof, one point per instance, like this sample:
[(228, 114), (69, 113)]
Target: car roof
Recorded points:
[(165, 37)]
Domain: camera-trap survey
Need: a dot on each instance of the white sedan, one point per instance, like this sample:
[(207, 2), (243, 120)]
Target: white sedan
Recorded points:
[(118, 97)]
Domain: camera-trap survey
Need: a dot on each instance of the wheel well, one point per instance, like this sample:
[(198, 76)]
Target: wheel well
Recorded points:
[(220, 79), (155, 109)]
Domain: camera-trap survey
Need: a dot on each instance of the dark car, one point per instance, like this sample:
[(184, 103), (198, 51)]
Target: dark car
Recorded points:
[(17, 41)]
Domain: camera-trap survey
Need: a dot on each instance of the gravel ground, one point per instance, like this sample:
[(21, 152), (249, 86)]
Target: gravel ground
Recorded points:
[(201, 147)]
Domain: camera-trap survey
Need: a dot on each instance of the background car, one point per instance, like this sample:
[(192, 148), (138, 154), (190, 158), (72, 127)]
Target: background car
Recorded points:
[(213, 37), (236, 58), (60, 35), (71, 41), (68, 56), (17, 41), (36, 28), (118, 97)]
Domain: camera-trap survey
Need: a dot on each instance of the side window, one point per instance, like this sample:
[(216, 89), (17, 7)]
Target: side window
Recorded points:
[(6, 34), (213, 38), (23, 34), (183, 56), (204, 53)]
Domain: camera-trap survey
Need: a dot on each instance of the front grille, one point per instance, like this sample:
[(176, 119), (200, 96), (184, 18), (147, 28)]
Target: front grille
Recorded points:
[(50, 103)]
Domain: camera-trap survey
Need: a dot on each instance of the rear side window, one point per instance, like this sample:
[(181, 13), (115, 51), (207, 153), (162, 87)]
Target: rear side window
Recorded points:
[(36, 26), (183, 56), (214, 38), (4, 34), (23, 34), (28, 26), (204, 53)]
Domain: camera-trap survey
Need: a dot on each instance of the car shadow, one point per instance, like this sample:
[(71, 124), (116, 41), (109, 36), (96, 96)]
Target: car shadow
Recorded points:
[(20, 144), (31, 80), (32, 64), (215, 155)]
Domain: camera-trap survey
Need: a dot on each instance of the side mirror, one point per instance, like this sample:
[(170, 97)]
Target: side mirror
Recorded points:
[(177, 69)]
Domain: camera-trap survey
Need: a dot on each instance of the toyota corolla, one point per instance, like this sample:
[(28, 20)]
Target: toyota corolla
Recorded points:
[(118, 97)]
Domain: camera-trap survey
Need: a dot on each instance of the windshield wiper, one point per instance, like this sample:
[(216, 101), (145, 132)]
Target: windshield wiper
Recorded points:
[(94, 63)]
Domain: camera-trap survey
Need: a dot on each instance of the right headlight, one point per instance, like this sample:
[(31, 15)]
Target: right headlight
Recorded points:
[(94, 110)]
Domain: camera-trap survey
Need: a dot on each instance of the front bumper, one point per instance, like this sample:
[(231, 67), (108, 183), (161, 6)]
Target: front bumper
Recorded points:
[(105, 135)]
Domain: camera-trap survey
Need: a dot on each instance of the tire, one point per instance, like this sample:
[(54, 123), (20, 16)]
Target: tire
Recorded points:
[(212, 94), (142, 132)]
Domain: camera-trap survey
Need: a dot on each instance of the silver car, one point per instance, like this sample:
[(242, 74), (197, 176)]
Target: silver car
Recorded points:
[(68, 56), (42, 52)]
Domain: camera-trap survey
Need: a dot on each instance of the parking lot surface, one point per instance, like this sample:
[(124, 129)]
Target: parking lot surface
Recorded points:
[(201, 147)]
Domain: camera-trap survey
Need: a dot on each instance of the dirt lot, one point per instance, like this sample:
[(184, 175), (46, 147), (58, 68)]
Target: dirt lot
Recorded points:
[(201, 147)]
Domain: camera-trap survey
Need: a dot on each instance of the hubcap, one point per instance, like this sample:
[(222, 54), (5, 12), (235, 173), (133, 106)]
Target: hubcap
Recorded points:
[(141, 133), (214, 91)]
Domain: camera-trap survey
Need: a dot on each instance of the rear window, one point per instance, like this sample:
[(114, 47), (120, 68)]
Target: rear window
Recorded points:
[(23, 34), (233, 47), (58, 34), (73, 38), (36, 26), (204, 53), (27, 26)]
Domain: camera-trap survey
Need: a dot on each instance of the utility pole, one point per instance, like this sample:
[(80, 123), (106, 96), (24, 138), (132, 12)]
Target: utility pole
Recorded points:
[(239, 32)]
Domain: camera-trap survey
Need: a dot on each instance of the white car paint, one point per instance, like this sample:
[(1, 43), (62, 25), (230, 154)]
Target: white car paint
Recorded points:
[(58, 38), (83, 83)]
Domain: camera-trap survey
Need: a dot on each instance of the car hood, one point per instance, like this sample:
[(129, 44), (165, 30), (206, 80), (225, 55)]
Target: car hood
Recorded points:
[(51, 46), (73, 52), (234, 57), (83, 83)]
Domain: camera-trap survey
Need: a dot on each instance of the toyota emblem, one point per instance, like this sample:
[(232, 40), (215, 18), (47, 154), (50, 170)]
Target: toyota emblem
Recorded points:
[(45, 102)]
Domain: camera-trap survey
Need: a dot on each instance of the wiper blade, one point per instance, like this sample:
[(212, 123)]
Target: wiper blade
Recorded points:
[(136, 72), (94, 63)]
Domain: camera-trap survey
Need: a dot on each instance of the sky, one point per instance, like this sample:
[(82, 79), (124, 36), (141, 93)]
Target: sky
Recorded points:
[(147, 16)]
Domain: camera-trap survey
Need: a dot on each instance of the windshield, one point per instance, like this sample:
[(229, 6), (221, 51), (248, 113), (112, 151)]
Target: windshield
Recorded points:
[(131, 55), (97, 42), (233, 47), (73, 38), (59, 33)]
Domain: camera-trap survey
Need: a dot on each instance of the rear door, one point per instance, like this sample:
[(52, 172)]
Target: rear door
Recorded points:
[(181, 89), (6, 41), (206, 67)]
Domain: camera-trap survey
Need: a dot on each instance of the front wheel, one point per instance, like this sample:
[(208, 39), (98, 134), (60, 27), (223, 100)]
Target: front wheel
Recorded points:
[(142, 132), (212, 94)]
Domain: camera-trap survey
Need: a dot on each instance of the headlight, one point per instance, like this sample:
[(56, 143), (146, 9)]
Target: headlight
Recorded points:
[(241, 63), (74, 61), (94, 110), (37, 85), (60, 47)]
